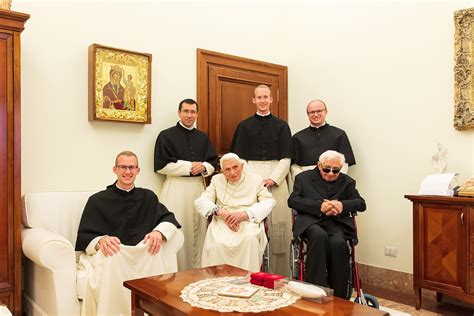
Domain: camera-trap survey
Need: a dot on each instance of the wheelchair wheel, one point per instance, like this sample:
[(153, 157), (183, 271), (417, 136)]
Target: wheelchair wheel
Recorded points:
[(294, 267), (370, 299), (350, 291)]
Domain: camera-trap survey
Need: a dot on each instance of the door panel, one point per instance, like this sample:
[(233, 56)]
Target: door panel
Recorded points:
[(6, 211), (225, 91), (445, 246)]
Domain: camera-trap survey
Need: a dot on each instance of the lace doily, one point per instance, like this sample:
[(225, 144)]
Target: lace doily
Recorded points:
[(203, 294)]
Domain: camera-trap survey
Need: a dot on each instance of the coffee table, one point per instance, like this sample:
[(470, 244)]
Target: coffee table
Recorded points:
[(159, 295)]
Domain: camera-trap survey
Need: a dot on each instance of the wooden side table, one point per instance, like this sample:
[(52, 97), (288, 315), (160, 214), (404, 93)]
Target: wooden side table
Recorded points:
[(443, 246)]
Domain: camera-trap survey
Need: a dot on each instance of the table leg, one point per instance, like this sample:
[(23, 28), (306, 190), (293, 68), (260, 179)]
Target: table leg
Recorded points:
[(136, 310), (439, 296)]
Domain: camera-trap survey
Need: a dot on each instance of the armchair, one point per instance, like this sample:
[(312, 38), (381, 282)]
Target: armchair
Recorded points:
[(52, 285)]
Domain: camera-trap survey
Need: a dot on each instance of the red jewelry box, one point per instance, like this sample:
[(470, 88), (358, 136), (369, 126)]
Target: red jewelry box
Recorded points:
[(269, 280), (258, 277), (265, 279)]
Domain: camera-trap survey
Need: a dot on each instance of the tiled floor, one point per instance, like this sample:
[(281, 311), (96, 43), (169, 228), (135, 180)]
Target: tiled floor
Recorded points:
[(406, 303)]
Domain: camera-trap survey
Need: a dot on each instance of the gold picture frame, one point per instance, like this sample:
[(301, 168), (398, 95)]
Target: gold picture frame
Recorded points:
[(119, 85), (463, 80)]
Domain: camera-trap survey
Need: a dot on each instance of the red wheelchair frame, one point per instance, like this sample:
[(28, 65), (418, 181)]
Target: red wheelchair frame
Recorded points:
[(297, 267)]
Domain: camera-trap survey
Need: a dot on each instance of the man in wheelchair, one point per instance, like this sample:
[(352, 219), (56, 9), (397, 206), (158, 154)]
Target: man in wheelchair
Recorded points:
[(238, 203), (324, 199)]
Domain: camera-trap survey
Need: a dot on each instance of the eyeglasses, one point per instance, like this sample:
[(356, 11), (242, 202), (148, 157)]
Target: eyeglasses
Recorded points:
[(315, 112), (333, 170), (124, 168)]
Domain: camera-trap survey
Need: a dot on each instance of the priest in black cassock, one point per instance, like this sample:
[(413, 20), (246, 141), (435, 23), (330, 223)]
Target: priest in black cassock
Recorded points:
[(185, 155), (324, 199), (312, 141), (264, 141), (122, 232)]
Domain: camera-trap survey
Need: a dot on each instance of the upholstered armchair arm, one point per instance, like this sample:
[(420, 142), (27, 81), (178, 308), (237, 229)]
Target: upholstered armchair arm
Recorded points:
[(50, 272), (47, 249)]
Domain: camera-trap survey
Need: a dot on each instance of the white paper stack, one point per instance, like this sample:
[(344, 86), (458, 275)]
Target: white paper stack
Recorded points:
[(438, 184)]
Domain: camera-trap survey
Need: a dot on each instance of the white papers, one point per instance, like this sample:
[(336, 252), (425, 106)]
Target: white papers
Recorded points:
[(437, 184)]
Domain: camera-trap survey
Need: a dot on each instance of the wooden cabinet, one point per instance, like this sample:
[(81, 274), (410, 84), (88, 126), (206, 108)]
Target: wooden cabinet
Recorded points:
[(11, 25), (443, 246)]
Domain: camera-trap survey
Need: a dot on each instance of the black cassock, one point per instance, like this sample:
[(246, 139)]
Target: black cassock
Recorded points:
[(126, 215), (178, 143), (311, 142), (327, 255), (262, 138)]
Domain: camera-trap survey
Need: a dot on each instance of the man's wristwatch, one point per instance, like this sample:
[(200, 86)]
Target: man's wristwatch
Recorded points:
[(214, 210)]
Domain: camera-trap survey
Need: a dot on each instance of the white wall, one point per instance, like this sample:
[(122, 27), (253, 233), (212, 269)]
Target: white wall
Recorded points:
[(384, 69)]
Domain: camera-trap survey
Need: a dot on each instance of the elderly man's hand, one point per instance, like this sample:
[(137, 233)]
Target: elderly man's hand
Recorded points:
[(326, 207), (230, 219), (268, 183), (331, 208), (235, 218), (223, 213), (337, 206), (109, 245), (153, 241), (197, 168)]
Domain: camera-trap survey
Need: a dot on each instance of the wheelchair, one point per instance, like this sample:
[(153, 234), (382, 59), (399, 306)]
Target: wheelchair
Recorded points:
[(297, 267), (265, 267)]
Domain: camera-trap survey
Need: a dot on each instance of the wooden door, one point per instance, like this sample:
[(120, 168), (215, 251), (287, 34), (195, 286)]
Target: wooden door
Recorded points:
[(225, 86)]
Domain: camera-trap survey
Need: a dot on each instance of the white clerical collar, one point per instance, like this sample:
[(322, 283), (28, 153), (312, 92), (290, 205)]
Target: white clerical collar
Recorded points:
[(188, 128), (260, 114), (319, 125), (118, 187)]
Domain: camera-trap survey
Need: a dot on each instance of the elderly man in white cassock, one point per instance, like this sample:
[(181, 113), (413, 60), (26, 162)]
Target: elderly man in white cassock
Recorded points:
[(238, 202)]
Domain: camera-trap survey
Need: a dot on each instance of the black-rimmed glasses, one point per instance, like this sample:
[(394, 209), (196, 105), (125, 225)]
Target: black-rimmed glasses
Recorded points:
[(124, 168)]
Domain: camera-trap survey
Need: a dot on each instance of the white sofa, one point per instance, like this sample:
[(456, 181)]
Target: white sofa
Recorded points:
[(51, 283)]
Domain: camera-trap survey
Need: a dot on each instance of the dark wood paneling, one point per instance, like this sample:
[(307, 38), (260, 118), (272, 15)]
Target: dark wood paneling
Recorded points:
[(5, 216), (6, 298), (11, 24)]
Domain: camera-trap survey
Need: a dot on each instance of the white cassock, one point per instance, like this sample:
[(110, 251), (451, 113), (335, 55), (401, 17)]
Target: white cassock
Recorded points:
[(280, 231), (243, 248), (178, 195), (104, 293)]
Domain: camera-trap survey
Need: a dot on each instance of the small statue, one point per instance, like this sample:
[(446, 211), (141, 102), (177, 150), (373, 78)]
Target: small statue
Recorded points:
[(5, 4), (440, 159)]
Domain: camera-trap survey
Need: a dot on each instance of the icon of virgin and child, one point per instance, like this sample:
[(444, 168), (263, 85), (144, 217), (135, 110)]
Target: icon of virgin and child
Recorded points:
[(118, 96)]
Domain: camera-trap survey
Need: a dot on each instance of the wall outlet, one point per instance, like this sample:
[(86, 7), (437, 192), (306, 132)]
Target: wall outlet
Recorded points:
[(390, 251)]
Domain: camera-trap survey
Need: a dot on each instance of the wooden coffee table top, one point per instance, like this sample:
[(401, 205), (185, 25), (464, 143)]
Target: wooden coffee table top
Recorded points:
[(164, 290)]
